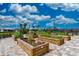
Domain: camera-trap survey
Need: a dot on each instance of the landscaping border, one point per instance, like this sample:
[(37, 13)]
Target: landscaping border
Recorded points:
[(31, 50), (52, 40)]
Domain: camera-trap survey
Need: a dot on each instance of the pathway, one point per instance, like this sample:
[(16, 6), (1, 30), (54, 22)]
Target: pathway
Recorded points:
[(70, 48), (8, 47)]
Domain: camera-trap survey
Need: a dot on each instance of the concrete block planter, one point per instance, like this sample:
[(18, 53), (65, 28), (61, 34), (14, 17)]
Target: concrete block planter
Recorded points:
[(53, 40), (33, 50)]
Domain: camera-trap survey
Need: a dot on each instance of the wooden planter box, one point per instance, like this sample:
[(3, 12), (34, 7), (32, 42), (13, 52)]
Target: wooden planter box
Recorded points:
[(33, 50), (53, 40), (66, 38)]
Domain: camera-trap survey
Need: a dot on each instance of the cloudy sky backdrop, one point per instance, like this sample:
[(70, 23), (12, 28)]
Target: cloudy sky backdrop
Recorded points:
[(65, 16)]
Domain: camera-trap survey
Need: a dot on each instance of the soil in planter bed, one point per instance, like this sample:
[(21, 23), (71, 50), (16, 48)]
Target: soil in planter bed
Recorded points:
[(33, 42)]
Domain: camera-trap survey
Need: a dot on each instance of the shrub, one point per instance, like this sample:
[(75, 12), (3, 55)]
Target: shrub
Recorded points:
[(17, 34)]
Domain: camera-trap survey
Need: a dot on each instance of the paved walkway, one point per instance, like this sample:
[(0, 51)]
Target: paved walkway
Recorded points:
[(8, 47), (70, 48)]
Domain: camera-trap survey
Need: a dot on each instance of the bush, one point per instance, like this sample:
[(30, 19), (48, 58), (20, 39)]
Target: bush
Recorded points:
[(17, 34)]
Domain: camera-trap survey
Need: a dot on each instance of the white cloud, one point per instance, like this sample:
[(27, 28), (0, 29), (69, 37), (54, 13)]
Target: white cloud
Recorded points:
[(23, 19), (64, 6), (7, 21), (26, 11), (63, 20), (18, 8), (14, 20), (10, 19), (30, 9), (39, 17), (30, 18)]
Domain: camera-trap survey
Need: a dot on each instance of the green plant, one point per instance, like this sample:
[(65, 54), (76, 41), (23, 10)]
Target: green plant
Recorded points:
[(43, 33), (17, 34), (30, 38), (34, 33)]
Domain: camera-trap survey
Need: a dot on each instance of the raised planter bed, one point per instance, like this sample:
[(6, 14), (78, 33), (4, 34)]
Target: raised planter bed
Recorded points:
[(66, 38), (53, 40), (33, 50)]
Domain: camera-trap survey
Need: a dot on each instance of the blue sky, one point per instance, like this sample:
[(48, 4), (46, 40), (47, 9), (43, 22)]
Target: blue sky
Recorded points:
[(64, 16)]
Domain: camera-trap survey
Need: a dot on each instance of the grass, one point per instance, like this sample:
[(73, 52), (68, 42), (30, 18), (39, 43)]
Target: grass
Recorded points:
[(56, 34), (60, 33), (6, 34), (43, 33)]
